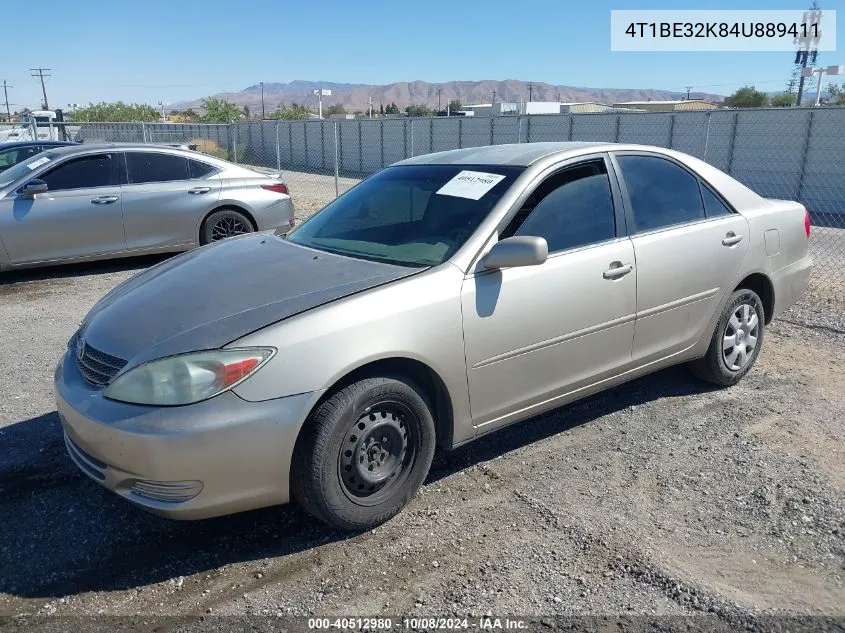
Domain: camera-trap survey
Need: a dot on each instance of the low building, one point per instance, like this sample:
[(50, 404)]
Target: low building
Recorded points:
[(668, 105), (583, 107)]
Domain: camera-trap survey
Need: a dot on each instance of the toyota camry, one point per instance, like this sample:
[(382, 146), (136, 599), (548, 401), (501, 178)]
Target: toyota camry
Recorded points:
[(440, 299)]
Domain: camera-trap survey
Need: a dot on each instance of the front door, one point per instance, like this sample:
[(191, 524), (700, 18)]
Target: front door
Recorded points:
[(79, 215), (535, 335)]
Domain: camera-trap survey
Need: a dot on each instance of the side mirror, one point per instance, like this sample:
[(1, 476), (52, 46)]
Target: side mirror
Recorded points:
[(523, 250), (33, 187)]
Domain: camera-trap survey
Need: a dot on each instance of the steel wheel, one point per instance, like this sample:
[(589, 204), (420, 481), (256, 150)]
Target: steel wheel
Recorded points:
[(228, 226), (740, 337), (377, 452)]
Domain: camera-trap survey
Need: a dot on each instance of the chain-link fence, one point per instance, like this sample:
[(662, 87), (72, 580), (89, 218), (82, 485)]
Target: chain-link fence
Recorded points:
[(790, 153)]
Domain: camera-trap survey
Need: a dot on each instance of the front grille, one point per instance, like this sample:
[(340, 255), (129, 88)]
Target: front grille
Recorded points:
[(97, 367)]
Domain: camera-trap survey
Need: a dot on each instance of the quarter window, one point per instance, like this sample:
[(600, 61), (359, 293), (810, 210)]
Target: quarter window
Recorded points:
[(146, 167), (661, 193), (81, 173), (198, 169), (713, 205), (569, 209)]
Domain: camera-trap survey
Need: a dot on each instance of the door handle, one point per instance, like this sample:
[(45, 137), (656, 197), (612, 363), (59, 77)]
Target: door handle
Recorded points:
[(617, 270), (198, 190), (105, 199), (731, 239)]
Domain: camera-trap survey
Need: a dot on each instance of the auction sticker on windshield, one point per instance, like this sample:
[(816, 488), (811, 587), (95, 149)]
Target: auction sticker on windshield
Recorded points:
[(470, 184), (37, 163)]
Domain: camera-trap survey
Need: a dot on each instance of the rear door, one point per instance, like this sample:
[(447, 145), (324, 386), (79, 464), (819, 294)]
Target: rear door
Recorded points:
[(689, 246), (165, 197), (79, 215)]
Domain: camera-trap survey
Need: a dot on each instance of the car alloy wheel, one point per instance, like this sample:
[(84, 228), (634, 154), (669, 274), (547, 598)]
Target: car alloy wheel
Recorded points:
[(229, 226), (740, 337)]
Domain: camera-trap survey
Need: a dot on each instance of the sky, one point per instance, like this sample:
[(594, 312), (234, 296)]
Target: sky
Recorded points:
[(173, 51)]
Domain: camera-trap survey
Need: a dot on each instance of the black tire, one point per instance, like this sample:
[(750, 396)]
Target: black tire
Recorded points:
[(340, 453), (224, 223), (721, 365)]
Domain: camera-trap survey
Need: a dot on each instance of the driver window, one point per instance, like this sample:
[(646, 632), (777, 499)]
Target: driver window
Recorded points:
[(571, 208)]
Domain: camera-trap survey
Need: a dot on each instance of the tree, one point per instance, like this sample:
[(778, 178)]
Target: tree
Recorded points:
[(117, 112), (392, 108), (783, 100), (220, 110), (184, 116), (381, 109), (837, 94), (335, 108), (747, 97), (294, 112), (455, 105), (418, 110), (246, 111)]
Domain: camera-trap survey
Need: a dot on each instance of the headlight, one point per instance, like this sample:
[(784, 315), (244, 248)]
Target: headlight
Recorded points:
[(187, 378)]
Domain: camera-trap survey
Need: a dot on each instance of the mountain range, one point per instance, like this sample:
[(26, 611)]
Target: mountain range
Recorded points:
[(357, 96)]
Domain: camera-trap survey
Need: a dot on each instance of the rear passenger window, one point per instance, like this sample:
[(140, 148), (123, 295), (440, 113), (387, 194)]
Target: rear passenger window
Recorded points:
[(713, 206), (569, 209), (145, 167), (198, 169), (661, 193)]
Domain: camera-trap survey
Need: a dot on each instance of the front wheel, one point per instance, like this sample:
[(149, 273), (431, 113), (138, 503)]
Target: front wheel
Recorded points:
[(364, 453), (736, 342)]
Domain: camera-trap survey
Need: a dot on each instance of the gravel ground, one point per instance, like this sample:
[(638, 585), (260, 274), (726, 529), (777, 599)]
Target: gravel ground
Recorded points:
[(660, 497)]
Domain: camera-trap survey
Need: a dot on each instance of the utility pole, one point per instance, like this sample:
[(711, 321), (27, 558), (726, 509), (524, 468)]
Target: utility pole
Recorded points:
[(6, 94), (807, 43), (530, 90), (161, 105), (688, 89), (494, 96), (41, 73), (438, 101), (263, 116)]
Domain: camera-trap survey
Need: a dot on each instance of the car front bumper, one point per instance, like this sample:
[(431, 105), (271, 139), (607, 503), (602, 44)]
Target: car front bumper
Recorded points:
[(216, 457)]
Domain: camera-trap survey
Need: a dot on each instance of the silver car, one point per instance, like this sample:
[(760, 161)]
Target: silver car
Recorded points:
[(444, 297), (101, 201)]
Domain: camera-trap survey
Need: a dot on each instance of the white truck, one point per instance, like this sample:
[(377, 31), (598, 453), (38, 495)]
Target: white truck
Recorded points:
[(37, 125)]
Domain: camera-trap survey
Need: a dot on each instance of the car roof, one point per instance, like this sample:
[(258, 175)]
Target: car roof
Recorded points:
[(518, 154), (11, 144), (86, 148)]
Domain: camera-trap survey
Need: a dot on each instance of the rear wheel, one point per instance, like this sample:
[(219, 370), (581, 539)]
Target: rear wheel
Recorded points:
[(736, 342), (364, 453), (224, 223)]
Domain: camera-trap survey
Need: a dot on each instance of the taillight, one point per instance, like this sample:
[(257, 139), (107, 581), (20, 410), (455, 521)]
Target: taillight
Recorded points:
[(807, 222), (276, 187)]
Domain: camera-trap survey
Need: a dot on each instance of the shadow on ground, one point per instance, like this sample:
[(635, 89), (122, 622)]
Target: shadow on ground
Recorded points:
[(83, 269), (63, 534)]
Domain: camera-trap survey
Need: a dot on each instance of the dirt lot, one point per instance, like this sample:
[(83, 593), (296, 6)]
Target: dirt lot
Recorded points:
[(659, 497)]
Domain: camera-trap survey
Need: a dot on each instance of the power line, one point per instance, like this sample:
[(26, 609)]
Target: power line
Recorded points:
[(41, 73)]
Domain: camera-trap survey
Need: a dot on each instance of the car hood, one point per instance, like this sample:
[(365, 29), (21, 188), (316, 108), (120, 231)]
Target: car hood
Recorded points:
[(214, 295)]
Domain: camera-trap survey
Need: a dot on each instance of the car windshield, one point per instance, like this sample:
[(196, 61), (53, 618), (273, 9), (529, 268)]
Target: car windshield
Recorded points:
[(411, 215), (21, 169)]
